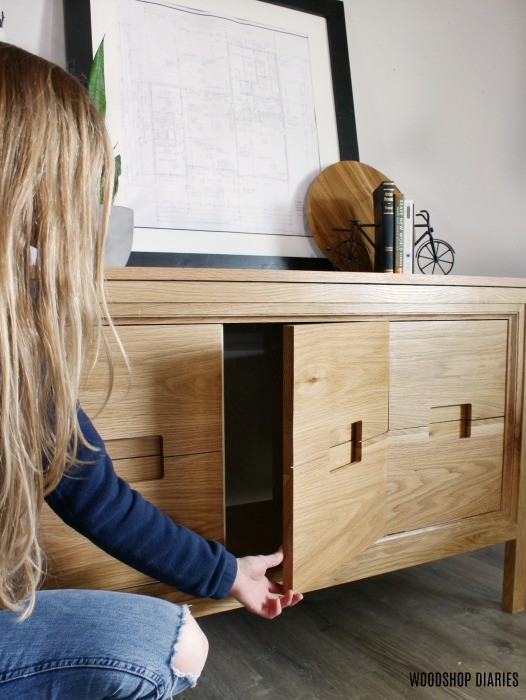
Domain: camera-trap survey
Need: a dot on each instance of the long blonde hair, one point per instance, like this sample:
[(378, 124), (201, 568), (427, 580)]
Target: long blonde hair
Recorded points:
[(54, 153)]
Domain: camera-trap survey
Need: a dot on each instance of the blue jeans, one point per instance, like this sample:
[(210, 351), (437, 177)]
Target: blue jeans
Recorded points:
[(89, 645)]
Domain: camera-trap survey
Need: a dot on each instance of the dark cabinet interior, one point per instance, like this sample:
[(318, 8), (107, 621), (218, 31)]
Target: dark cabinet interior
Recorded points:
[(253, 437)]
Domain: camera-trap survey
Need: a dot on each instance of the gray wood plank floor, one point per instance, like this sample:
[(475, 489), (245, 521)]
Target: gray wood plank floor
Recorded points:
[(363, 639)]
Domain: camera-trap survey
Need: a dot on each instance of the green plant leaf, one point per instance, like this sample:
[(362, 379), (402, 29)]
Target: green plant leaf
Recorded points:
[(118, 169), (96, 80), (97, 92)]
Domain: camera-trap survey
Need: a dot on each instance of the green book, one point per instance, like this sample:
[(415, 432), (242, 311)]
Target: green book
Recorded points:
[(383, 199)]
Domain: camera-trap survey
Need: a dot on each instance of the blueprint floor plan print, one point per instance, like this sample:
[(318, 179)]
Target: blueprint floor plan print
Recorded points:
[(218, 125)]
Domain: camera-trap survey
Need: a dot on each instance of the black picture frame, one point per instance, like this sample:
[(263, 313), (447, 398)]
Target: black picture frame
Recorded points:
[(79, 56)]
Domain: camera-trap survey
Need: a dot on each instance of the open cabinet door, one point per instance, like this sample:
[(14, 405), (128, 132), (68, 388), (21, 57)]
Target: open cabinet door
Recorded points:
[(335, 435)]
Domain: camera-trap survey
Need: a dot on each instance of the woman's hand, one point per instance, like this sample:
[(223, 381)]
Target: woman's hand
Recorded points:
[(256, 592)]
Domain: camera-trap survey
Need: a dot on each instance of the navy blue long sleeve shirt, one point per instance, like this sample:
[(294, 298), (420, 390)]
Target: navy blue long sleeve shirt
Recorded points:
[(93, 500)]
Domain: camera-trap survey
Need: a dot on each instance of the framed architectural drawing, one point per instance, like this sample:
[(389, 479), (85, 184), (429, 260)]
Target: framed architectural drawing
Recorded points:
[(223, 114)]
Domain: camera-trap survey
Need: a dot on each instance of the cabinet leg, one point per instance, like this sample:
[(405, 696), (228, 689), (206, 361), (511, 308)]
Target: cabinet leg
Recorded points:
[(514, 583)]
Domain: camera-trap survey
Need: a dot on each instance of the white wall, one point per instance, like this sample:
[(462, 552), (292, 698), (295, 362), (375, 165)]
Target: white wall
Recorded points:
[(37, 26), (440, 96)]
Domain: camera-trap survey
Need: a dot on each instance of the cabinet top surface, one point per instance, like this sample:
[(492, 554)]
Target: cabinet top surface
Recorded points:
[(151, 274)]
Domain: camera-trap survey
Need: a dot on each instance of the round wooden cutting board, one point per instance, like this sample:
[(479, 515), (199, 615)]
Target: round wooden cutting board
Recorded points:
[(342, 192)]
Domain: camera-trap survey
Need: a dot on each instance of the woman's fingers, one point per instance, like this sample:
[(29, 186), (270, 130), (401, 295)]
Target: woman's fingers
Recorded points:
[(273, 559), (288, 598), (273, 607), (275, 587)]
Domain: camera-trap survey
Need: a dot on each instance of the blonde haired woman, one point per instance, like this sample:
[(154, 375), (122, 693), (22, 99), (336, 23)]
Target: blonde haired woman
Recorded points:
[(55, 152)]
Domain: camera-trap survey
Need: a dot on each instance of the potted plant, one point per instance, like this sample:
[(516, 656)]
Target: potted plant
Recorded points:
[(120, 231)]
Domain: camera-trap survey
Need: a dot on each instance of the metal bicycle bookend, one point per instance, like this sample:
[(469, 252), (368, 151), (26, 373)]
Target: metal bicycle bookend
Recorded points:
[(434, 252), (352, 255), (434, 256)]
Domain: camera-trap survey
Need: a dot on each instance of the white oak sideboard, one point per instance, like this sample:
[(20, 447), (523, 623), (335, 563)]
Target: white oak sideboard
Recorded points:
[(368, 422)]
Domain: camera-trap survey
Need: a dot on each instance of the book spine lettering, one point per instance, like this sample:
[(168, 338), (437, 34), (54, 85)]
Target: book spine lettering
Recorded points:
[(388, 228), (409, 220), (383, 199), (399, 235)]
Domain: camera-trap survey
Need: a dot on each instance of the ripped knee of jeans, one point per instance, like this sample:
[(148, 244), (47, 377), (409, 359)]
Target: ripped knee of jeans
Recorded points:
[(190, 650)]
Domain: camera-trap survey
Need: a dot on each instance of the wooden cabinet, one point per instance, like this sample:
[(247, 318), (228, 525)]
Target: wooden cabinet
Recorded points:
[(335, 438), (163, 429), (397, 438), (447, 400)]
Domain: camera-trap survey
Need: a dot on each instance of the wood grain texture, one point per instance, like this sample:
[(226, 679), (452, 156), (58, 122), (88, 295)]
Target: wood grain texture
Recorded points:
[(133, 447), (414, 547), (514, 411), (147, 299), (334, 376), (206, 275), (340, 193), (284, 292), (330, 516), (396, 552), (435, 476), (138, 469), (285, 312), (442, 363), (514, 580), (190, 493), (174, 389), (164, 422)]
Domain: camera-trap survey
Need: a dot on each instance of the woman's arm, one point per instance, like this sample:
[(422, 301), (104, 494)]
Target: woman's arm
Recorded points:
[(93, 500)]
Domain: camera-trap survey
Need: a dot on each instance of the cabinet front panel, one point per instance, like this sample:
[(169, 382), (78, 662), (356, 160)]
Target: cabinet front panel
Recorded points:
[(174, 390), (439, 365), (335, 376), (190, 492), (163, 429), (435, 476), (447, 406), (331, 515), (335, 426)]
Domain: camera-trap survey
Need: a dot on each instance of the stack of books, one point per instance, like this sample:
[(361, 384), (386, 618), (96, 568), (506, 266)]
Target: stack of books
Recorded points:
[(394, 225)]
